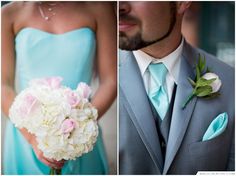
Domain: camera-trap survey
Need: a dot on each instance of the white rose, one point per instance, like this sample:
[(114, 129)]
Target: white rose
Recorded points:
[(215, 84)]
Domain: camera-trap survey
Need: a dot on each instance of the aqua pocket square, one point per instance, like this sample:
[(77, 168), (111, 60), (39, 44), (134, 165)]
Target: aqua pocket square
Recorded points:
[(216, 127)]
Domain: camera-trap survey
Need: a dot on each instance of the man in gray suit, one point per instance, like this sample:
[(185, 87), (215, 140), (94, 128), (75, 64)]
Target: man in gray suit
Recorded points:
[(161, 133)]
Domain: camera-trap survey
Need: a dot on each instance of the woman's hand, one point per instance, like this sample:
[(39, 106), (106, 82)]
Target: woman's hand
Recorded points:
[(49, 162), (32, 140)]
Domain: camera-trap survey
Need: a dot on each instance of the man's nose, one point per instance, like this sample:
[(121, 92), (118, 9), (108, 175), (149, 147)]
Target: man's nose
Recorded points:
[(124, 8)]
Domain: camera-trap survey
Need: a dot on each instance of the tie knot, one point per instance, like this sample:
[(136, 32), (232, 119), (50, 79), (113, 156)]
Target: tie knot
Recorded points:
[(158, 72)]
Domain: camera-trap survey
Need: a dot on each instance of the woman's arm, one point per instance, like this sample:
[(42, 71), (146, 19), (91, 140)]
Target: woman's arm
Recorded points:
[(106, 56), (8, 61), (8, 74)]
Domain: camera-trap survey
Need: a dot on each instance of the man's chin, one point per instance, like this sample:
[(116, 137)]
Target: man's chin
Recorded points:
[(128, 47), (129, 44), (126, 42)]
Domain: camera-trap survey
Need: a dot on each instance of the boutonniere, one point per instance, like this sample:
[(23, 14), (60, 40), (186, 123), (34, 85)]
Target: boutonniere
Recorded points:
[(206, 85)]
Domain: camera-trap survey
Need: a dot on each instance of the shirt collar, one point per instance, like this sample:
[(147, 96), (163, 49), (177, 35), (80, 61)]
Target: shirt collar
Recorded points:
[(171, 61)]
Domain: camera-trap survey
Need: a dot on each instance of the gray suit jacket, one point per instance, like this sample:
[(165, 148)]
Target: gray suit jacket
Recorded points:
[(186, 153)]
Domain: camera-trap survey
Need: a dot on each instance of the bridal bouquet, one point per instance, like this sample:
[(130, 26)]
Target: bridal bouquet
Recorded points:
[(63, 120)]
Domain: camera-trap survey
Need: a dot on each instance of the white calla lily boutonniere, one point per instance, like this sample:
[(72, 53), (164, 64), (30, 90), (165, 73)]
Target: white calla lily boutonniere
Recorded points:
[(206, 85)]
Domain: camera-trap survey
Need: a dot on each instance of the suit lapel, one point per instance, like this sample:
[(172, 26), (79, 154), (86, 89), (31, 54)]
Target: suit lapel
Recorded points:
[(138, 107), (181, 117)]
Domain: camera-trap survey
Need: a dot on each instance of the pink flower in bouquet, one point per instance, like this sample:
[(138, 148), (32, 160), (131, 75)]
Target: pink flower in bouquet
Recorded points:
[(53, 82), (68, 126), (72, 98), (27, 105), (84, 89)]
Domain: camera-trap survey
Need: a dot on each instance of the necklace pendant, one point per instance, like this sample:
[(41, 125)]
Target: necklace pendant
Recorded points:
[(49, 10)]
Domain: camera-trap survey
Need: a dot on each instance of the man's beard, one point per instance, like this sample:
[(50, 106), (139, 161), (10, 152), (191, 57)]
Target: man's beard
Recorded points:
[(137, 42)]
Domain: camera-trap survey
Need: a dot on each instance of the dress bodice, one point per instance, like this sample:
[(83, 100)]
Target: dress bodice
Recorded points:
[(43, 54)]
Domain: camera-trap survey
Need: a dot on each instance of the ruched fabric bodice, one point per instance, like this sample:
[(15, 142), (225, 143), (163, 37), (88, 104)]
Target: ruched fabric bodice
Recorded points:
[(42, 54)]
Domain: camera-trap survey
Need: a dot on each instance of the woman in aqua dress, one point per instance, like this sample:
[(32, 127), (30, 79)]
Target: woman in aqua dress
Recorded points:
[(67, 39)]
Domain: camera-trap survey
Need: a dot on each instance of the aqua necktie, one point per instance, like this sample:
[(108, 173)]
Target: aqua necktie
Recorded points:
[(158, 94)]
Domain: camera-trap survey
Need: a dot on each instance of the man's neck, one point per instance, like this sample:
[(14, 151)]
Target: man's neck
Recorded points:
[(163, 48)]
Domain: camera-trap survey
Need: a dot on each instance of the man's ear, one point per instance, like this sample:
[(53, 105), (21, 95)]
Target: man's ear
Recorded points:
[(183, 6)]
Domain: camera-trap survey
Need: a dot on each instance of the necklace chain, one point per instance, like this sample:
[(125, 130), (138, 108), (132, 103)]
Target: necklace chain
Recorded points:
[(50, 10)]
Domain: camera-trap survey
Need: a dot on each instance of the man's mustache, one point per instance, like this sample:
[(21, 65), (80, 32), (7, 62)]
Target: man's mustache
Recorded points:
[(128, 19)]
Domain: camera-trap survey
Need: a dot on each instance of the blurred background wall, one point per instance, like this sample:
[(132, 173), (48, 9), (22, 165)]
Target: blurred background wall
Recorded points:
[(211, 27)]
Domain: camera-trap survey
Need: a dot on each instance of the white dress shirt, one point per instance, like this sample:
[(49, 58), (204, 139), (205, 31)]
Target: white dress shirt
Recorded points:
[(171, 62)]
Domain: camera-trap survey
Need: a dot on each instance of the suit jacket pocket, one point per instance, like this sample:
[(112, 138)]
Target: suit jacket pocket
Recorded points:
[(210, 155)]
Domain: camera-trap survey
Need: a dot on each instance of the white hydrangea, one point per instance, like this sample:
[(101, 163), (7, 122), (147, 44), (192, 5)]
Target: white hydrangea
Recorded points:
[(63, 120)]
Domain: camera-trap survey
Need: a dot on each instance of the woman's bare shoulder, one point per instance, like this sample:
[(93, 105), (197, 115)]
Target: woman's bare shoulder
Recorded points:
[(12, 7), (11, 10)]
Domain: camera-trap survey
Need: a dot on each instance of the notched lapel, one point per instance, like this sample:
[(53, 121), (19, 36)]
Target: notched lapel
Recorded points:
[(139, 108), (181, 117)]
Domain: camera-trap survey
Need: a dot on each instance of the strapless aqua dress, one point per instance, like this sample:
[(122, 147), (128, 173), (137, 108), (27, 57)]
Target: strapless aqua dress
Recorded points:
[(42, 54)]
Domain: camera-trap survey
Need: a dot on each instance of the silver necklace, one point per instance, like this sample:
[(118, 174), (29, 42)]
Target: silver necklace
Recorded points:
[(50, 10)]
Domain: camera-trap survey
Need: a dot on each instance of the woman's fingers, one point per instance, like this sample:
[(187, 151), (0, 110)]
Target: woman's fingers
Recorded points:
[(55, 165), (61, 162), (55, 161), (50, 162)]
